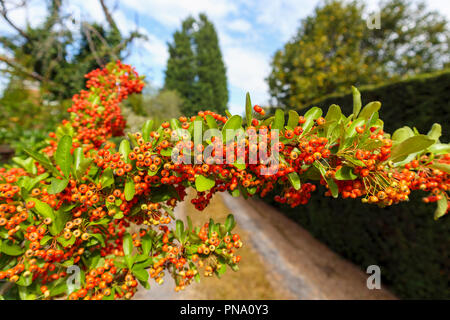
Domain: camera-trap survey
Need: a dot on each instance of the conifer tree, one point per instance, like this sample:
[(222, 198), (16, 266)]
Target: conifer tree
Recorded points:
[(195, 68)]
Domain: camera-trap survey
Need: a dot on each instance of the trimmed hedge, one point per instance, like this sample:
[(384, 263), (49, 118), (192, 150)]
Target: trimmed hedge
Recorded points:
[(411, 248), (418, 101)]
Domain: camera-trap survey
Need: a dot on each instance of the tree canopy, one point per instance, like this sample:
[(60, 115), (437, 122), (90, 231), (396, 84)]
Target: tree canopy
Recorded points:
[(334, 48)]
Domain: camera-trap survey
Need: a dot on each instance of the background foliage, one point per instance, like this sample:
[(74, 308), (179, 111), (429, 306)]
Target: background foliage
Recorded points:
[(334, 49)]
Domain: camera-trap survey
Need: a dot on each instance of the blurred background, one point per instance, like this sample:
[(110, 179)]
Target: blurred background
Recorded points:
[(289, 54)]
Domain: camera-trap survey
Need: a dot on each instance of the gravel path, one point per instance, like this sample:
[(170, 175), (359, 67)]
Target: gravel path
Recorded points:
[(294, 261), (307, 268)]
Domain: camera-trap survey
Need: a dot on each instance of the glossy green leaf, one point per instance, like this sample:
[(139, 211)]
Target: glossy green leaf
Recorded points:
[(248, 109), (230, 223), (146, 129), (293, 119), (124, 150), (57, 185), (212, 124), (345, 173), (311, 115), (410, 145), (278, 122), (42, 208), (129, 190), (441, 207), (63, 157), (356, 102), (369, 109), (203, 184), (294, 179), (107, 178), (42, 159), (402, 134), (11, 249), (146, 244), (435, 131), (127, 244)]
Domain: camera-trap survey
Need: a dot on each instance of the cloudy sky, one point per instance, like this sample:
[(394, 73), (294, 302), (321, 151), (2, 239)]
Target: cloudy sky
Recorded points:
[(250, 31)]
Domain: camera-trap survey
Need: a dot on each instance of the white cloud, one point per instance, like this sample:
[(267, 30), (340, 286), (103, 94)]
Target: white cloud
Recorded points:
[(172, 12), (246, 70), (239, 25)]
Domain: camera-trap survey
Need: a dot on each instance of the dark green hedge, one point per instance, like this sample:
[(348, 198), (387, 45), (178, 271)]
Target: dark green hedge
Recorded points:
[(416, 102), (411, 248)]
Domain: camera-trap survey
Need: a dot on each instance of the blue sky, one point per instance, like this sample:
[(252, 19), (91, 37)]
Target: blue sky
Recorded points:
[(249, 31)]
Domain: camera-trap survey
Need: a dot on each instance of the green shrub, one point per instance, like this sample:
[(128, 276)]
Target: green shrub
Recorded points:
[(410, 247)]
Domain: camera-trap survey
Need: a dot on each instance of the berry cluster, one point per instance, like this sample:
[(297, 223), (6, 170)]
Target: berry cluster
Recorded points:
[(78, 201)]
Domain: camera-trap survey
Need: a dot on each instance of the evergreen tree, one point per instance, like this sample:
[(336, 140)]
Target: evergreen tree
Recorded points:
[(181, 70), (195, 68), (212, 79)]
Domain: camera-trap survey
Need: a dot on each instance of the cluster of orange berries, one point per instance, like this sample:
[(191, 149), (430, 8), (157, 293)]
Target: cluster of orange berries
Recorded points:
[(96, 120), (105, 281), (99, 216)]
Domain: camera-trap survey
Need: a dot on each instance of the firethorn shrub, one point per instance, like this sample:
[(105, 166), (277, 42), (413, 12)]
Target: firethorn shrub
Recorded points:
[(82, 204)]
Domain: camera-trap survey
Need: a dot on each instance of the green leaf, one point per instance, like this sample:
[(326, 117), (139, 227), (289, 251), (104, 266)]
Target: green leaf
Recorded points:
[(441, 207), (174, 124), (43, 160), (140, 273), (410, 145), (240, 166), (129, 189), (440, 166), (369, 109), (107, 178), (435, 132), (248, 109), (43, 208), (278, 122), (179, 230), (63, 158), (36, 180), (402, 134), (333, 187), (356, 102), (204, 184), (345, 173), (311, 115), (230, 223), (57, 185), (11, 249), (293, 119), (146, 129), (212, 124), (124, 150), (439, 148), (27, 164), (294, 179), (127, 244), (59, 222), (334, 113), (146, 244), (234, 123)]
